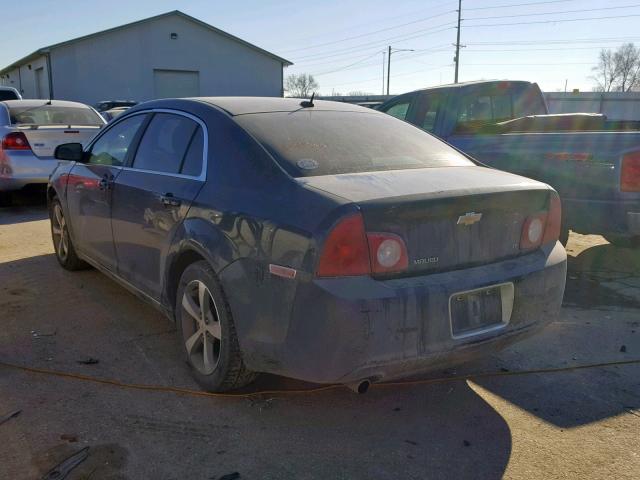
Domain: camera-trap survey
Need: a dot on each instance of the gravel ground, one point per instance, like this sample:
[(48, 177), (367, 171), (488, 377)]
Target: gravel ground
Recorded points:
[(574, 424)]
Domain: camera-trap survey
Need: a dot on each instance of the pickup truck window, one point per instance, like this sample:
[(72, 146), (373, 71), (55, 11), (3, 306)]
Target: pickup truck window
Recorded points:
[(399, 110), (427, 109), (476, 110)]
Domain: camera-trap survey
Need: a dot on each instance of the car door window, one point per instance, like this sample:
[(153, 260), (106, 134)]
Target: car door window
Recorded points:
[(192, 163), (165, 142), (112, 147)]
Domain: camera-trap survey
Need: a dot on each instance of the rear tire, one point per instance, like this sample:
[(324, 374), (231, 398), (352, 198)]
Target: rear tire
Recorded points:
[(62, 244), (207, 332)]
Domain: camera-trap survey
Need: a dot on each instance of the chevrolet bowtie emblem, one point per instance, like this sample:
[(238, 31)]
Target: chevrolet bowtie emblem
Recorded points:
[(469, 218)]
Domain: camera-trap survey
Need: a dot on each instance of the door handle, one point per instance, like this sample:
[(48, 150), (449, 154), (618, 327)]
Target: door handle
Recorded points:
[(105, 182), (168, 200)]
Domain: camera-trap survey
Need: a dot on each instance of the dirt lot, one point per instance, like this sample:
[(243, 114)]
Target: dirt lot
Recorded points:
[(573, 424)]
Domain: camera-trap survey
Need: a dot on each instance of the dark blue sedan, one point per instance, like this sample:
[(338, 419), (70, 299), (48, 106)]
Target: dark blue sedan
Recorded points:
[(316, 240)]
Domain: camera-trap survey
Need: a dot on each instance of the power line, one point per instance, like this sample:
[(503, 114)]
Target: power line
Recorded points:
[(347, 66), (552, 21), (438, 67), (559, 41), (382, 42), (556, 12), (365, 65), (369, 33), (385, 20), (518, 5)]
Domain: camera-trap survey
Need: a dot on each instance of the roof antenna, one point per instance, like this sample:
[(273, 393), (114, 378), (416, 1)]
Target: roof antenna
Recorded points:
[(308, 103)]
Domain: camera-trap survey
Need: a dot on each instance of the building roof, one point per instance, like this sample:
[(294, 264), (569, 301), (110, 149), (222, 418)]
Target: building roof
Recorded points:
[(43, 50)]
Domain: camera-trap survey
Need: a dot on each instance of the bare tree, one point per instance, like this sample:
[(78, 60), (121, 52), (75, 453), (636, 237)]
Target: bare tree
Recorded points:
[(619, 70), (301, 85), (627, 58)]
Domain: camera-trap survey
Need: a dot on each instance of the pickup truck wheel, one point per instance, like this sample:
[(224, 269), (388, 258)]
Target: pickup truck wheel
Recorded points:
[(207, 332), (62, 244)]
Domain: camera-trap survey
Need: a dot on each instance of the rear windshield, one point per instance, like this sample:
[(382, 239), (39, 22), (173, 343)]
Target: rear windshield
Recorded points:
[(8, 95), (307, 143), (53, 115)]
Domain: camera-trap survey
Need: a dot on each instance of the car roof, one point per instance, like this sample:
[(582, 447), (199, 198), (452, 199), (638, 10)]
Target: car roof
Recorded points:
[(37, 103), (468, 84), (4, 87), (245, 105)]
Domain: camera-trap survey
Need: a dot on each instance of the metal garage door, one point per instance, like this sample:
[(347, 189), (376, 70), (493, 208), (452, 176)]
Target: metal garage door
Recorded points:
[(176, 83)]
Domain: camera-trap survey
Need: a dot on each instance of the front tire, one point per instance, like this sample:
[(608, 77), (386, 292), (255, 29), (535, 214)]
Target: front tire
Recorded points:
[(62, 244), (207, 332)]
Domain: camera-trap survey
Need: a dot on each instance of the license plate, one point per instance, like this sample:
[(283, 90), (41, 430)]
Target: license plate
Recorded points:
[(476, 311)]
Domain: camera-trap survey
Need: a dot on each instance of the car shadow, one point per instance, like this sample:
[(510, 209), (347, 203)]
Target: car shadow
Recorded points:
[(448, 430), (25, 206)]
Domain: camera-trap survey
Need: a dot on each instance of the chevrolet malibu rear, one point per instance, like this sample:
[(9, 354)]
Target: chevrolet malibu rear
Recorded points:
[(29, 132), (321, 241), (426, 260)]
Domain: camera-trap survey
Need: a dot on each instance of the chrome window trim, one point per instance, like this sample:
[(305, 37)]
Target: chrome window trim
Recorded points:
[(205, 147)]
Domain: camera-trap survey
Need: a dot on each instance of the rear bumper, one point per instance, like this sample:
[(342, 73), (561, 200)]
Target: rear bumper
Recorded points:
[(620, 217), (348, 329), (18, 169)]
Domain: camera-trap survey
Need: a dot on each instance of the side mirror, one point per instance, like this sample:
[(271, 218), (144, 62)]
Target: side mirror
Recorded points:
[(69, 151)]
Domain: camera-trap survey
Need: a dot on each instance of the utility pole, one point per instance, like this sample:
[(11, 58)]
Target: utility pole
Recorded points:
[(388, 68), (383, 62), (389, 52), (457, 57)]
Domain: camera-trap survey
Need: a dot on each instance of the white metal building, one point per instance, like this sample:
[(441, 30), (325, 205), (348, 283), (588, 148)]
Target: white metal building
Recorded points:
[(169, 55)]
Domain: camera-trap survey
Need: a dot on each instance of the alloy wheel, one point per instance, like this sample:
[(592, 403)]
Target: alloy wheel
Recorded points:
[(60, 233), (201, 327)]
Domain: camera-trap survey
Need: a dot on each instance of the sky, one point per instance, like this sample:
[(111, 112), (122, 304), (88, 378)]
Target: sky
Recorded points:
[(341, 42)]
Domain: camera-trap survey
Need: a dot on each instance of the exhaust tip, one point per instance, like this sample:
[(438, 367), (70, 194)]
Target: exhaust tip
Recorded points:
[(359, 387)]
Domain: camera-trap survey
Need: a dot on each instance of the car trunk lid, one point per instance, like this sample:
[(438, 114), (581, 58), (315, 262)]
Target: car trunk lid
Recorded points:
[(449, 218), (45, 138)]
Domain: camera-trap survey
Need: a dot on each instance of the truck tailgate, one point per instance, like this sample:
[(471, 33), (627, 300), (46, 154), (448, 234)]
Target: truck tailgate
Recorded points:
[(577, 164)]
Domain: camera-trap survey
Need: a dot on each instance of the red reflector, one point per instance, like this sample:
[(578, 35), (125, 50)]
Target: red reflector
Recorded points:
[(345, 250), (388, 253), (15, 141), (630, 174)]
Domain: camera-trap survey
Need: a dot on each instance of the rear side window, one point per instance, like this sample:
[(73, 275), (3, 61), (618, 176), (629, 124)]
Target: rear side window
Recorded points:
[(165, 144), (477, 110), (307, 143), (112, 147), (54, 115)]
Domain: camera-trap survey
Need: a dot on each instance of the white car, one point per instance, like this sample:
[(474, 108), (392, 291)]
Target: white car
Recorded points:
[(9, 93), (30, 130)]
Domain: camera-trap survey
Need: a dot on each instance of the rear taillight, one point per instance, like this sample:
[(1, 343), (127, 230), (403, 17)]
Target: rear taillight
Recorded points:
[(350, 250), (388, 253), (15, 141), (533, 231), (544, 227), (554, 220), (630, 173), (345, 250)]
